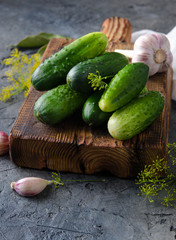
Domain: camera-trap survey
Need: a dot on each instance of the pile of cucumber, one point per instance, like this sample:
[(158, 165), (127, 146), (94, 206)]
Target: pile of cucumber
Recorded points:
[(125, 106)]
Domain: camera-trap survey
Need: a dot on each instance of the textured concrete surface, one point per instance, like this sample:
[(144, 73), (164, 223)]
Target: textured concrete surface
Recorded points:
[(108, 210)]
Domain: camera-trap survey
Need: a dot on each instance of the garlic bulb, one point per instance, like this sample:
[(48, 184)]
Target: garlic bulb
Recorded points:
[(30, 186), (4, 143), (154, 50)]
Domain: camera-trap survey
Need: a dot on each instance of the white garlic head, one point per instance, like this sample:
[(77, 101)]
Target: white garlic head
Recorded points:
[(153, 50)]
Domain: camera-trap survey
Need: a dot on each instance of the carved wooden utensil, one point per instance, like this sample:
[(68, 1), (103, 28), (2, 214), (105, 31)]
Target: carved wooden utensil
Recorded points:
[(117, 29), (73, 146)]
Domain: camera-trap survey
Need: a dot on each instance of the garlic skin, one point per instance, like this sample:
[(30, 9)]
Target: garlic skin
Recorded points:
[(4, 143), (153, 50), (30, 186)]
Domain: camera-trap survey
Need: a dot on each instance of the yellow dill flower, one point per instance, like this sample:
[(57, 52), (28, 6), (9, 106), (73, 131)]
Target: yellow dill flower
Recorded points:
[(25, 59), (19, 73)]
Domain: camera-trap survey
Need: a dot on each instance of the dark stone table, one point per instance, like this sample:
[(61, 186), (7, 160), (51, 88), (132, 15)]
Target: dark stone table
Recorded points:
[(109, 210)]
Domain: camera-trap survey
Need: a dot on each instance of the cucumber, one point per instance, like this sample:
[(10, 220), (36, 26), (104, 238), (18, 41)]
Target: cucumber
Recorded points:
[(136, 116), (57, 104), (92, 114), (126, 85), (52, 72), (107, 64)]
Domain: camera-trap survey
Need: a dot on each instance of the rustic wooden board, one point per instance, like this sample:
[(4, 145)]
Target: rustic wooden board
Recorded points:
[(73, 146)]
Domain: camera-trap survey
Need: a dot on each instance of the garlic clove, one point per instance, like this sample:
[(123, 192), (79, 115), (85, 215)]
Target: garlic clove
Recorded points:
[(30, 186), (4, 143)]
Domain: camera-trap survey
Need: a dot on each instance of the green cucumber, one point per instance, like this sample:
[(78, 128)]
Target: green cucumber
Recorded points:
[(57, 104), (126, 85), (136, 116), (92, 114), (52, 72), (107, 64)]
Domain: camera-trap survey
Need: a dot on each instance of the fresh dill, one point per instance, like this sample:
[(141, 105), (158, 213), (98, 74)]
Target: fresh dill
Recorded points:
[(158, 181), (96, 81), (58, 181), (19, 73)]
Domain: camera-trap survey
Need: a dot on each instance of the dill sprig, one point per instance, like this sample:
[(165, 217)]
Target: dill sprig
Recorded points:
[(19, 73), (58, 181), (158, 181), (96, 81)]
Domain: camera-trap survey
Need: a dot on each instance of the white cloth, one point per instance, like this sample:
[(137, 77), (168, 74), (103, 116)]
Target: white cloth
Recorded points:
[(172, 39)]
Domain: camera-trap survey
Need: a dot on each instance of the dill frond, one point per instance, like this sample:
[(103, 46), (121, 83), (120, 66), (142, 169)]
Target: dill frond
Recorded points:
[(157, 179), (96, 81), (19, 73), (57, 179), (59, 182)]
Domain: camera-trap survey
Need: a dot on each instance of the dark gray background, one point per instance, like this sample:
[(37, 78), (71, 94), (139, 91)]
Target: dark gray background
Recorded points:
[(82, 211)]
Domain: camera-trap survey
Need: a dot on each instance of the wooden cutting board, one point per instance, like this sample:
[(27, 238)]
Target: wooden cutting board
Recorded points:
[(73, 146)]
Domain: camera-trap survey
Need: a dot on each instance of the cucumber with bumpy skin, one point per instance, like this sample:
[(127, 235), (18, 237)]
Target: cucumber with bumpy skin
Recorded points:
[(126, 85), (107, 65), (136, 116), (57, 104), (52, 72)]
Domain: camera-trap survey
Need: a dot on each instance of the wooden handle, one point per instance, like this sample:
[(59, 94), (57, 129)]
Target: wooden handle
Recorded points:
[(117, 29)]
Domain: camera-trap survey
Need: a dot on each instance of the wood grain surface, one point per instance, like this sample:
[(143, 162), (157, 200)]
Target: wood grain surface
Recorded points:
[(73, 146)]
